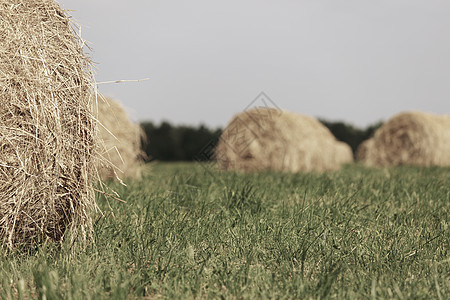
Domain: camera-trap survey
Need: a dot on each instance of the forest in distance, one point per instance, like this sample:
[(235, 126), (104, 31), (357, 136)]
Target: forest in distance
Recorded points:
[(169, 142)]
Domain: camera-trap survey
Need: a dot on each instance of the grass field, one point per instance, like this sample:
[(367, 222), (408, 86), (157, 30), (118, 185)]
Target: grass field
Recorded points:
[(188, 231)]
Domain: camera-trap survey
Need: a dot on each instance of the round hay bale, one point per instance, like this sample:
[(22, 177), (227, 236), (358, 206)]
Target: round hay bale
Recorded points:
[(343, 153), (47, 131), (269, 139), (364, 152), (410, 138), (122, 141)]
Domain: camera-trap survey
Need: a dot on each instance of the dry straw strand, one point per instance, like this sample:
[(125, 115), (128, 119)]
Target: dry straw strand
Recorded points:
[(409, 138), (270, 139), (47, 131)]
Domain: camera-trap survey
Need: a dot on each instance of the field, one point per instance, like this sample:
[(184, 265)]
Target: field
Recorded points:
[(188, 231)]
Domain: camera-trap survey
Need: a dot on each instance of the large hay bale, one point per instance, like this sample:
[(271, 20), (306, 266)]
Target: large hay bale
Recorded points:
[(47, 131), (122, 141), (269, 139), (409, 138)]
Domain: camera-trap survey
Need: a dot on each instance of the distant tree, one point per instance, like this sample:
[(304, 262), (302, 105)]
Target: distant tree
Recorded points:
[(349, 134), (177, 143), (370, 130)]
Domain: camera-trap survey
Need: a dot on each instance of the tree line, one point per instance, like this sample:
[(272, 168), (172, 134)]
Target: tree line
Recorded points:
[(168, 142)]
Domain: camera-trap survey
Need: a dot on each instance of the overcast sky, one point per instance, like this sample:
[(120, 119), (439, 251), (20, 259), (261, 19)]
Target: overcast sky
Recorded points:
[(359, 61)]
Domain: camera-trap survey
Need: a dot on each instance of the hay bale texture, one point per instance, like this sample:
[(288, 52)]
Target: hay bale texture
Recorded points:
[(122, 141), (364, 152), (269, 139), (47, 131), (409, 138)]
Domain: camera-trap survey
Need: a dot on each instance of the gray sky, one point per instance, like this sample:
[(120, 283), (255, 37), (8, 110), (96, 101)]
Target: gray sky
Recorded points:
[(359, 61)]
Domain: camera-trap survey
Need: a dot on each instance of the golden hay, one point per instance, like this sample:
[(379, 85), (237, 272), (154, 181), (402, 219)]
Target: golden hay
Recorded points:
[(47, 132), (122, 141), (343, 153), (410, 138), (269, 139), (364, 152)]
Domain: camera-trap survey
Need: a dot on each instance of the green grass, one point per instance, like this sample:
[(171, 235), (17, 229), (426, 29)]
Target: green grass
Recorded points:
[(188, 231)]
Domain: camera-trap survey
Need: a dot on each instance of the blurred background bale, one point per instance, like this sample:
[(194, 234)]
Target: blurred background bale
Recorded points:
[(270, 139), (363, 153), (409, 138), (47, 131), (122, 141)]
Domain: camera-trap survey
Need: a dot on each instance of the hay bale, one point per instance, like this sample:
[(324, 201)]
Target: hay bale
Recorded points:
[(343, 153), (364, 152), (409, 138), (122, 141), (269, 139), (47, 131)]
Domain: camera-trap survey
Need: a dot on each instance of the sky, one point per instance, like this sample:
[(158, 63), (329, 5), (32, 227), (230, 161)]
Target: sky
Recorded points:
[(357, 61)]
